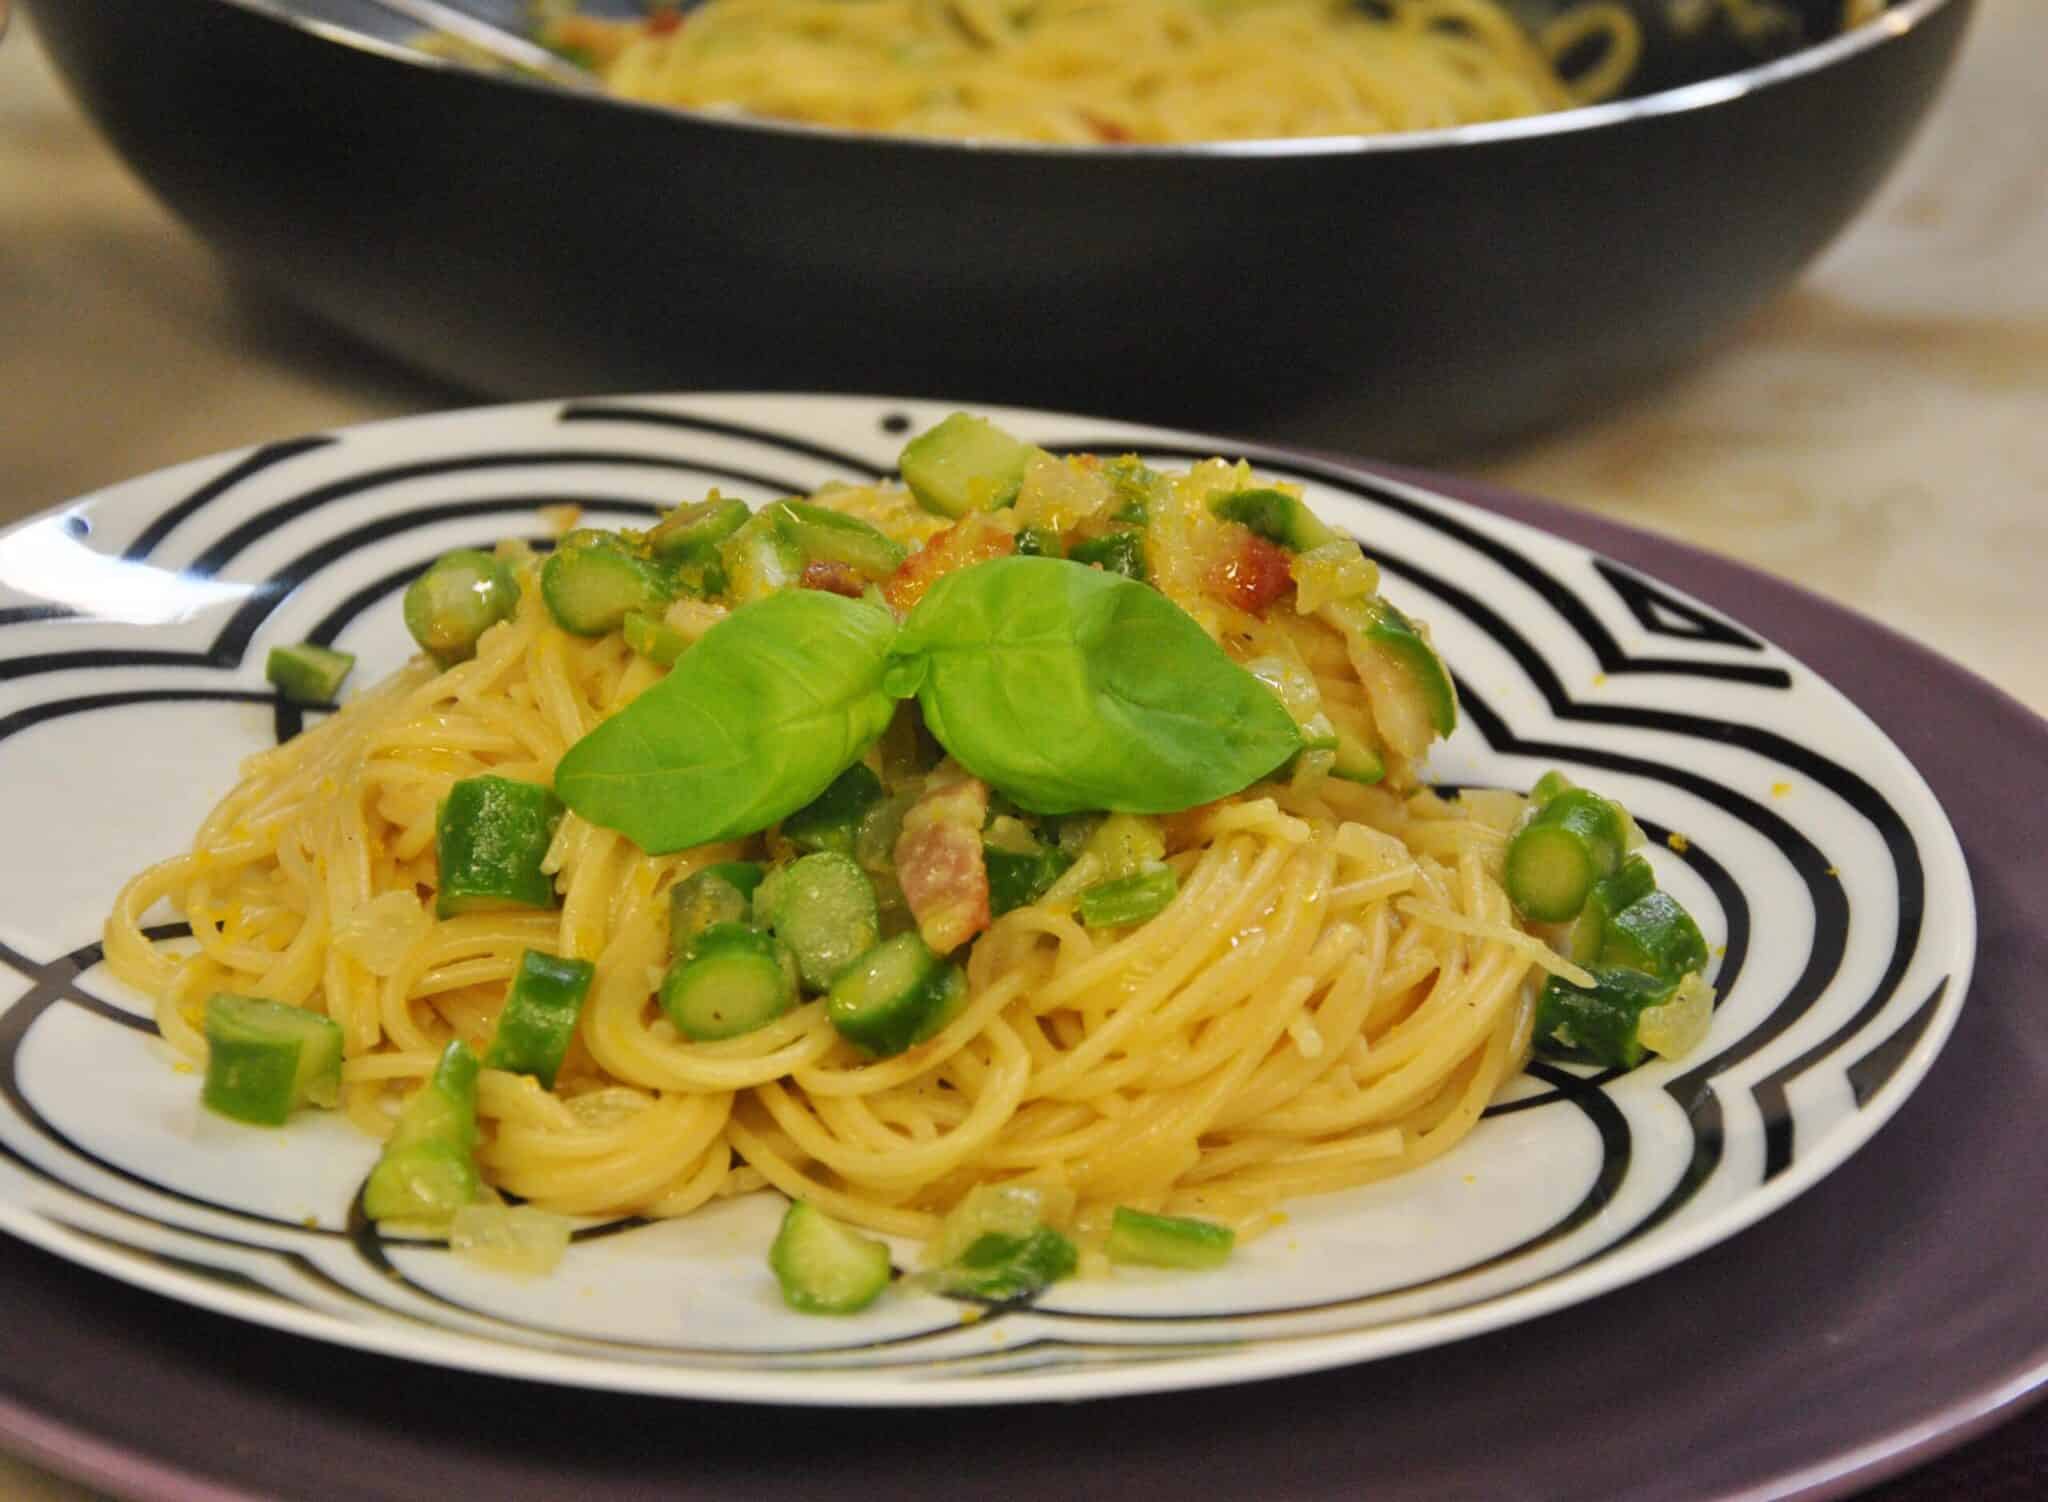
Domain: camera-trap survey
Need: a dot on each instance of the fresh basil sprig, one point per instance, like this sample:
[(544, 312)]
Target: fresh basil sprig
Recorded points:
[(1072, 688), (754, 722), (1067, 688)]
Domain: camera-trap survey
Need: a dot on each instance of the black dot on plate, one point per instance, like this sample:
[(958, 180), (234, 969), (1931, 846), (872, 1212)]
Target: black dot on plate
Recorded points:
[(896, 422), (77, 526)]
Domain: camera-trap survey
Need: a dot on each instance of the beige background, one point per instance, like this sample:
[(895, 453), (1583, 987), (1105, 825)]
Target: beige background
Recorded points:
[(1880, 434)]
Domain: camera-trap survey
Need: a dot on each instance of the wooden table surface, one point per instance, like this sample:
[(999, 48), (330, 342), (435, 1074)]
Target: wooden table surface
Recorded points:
[(1879, 434)]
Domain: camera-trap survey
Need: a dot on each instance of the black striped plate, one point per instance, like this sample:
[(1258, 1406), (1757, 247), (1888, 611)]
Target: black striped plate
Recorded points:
[(133, 627)]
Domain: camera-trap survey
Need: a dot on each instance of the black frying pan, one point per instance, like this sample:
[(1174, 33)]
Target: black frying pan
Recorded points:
[(1406, 295)]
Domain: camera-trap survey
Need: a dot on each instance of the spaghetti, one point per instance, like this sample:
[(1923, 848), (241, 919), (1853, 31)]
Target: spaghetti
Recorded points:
[(1336, 988), (1094, 71)]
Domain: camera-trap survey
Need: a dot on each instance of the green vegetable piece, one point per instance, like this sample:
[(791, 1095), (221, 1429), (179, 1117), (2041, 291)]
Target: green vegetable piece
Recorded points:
[(1395, 635), (428, 1168), (1561, 849), (1071, 689), (1134, 485), (307, 674), (754, 722), (1019, 878), (460, 597), (692, 533), (731, 980), (1632, 879), (1645, 952), (824, 1267), (490, 836), (591, 588), (1125, 900), (895, 996), (1324, 750), (1600, 1024), (723, 893), (999, 1268), (712, 581), (1120, 553), (1356, 761), (264, 1059), (831, 820), (747, 876), (1318, 734), (539, 1017), (1009, 1209), (1276, 516), (1039, 542), (1125, 844), (996, 1244), (1167, 1240), (964, 464), (760, 558), (823, 908), (1428, 700), (821, 533), (653, 638), (1655, 933)]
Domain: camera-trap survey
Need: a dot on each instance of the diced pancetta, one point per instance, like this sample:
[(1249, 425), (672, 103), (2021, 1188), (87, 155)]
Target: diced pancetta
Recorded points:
[(832, 576), (939, 860)]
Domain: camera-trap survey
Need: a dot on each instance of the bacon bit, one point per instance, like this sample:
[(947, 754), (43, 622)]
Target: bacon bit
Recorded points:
[(832, 576), (1250, 577), (975, 540), (661, 22), (1105, 130), (939, 860)]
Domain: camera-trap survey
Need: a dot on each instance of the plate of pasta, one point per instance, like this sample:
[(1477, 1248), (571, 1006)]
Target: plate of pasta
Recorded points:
[(838, 900)]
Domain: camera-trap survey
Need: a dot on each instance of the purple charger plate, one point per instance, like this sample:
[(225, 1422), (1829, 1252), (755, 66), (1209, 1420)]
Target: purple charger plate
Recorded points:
[(1883, 1318)]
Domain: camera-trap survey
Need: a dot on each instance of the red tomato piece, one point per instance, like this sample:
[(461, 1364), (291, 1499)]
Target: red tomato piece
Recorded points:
[(972, 541), (1251, 576)]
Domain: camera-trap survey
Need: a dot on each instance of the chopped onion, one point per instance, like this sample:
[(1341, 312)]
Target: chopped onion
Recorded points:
[(1678, 1026), (1060, 494), (509, 1238), (691, 618), (874, 842), (1333, 571)]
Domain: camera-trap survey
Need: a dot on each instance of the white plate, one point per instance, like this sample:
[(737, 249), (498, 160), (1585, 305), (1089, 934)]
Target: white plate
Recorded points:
[(133, 628)]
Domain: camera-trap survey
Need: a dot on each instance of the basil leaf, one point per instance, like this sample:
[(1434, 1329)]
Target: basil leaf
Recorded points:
[(1070, 688), (754, 722)]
